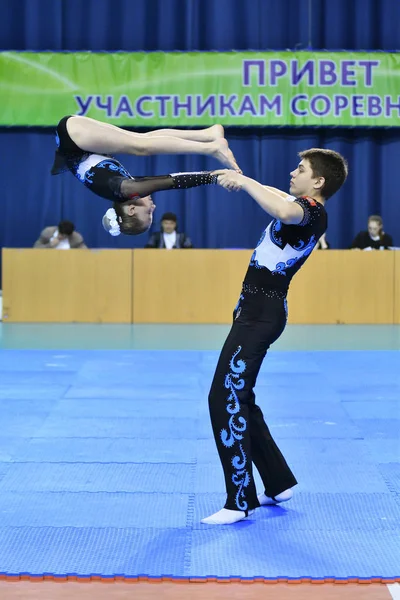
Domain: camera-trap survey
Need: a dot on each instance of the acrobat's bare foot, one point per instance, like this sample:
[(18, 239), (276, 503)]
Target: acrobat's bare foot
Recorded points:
[(225, 155), (215, 132)]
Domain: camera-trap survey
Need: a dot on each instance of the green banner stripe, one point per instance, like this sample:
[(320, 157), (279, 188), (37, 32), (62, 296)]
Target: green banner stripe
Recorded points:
[(201, 88)]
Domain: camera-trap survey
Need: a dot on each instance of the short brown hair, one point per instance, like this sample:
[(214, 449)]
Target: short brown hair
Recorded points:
[(130, 224), (328, 164)]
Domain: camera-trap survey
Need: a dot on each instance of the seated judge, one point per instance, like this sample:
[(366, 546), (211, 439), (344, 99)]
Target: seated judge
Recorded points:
[(374, 238), (169, 237), (61, 237)]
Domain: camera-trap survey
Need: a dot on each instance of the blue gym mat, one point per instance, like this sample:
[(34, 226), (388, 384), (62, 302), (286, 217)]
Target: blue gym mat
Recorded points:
[(107, 465)]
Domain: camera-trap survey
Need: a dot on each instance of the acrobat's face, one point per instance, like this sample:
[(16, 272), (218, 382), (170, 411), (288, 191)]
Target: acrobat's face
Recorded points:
[(303, 182), (142, 208)]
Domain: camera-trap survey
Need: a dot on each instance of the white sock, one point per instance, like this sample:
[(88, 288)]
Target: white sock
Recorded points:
[(226, 517), (282, 497)]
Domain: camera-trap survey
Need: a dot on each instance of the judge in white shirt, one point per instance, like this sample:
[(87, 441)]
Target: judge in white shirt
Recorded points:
[(62, 237), (169, 238)]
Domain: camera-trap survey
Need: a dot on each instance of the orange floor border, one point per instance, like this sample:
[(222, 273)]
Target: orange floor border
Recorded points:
[(185, 580)]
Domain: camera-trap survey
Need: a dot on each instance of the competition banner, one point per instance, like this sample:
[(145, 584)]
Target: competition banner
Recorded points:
[(195, 89)]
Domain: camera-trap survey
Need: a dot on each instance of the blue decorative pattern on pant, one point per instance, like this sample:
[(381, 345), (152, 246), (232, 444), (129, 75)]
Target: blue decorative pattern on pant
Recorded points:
[(237, 426)]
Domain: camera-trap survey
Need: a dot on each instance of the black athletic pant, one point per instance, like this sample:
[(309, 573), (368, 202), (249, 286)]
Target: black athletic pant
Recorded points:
[(240, 432)]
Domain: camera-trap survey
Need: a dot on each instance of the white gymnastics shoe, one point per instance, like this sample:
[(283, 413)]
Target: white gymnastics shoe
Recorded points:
[(226, 517), (270, 501)]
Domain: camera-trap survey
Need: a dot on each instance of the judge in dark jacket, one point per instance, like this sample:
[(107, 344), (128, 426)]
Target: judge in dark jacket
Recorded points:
[(374, 238), (169, 238)]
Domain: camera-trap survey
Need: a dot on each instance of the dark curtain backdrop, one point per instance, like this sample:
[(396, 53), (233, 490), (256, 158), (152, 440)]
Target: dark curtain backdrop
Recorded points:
[(31, 199)]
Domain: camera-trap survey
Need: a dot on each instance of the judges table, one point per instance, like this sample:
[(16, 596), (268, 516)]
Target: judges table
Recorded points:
[(190, 286)]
